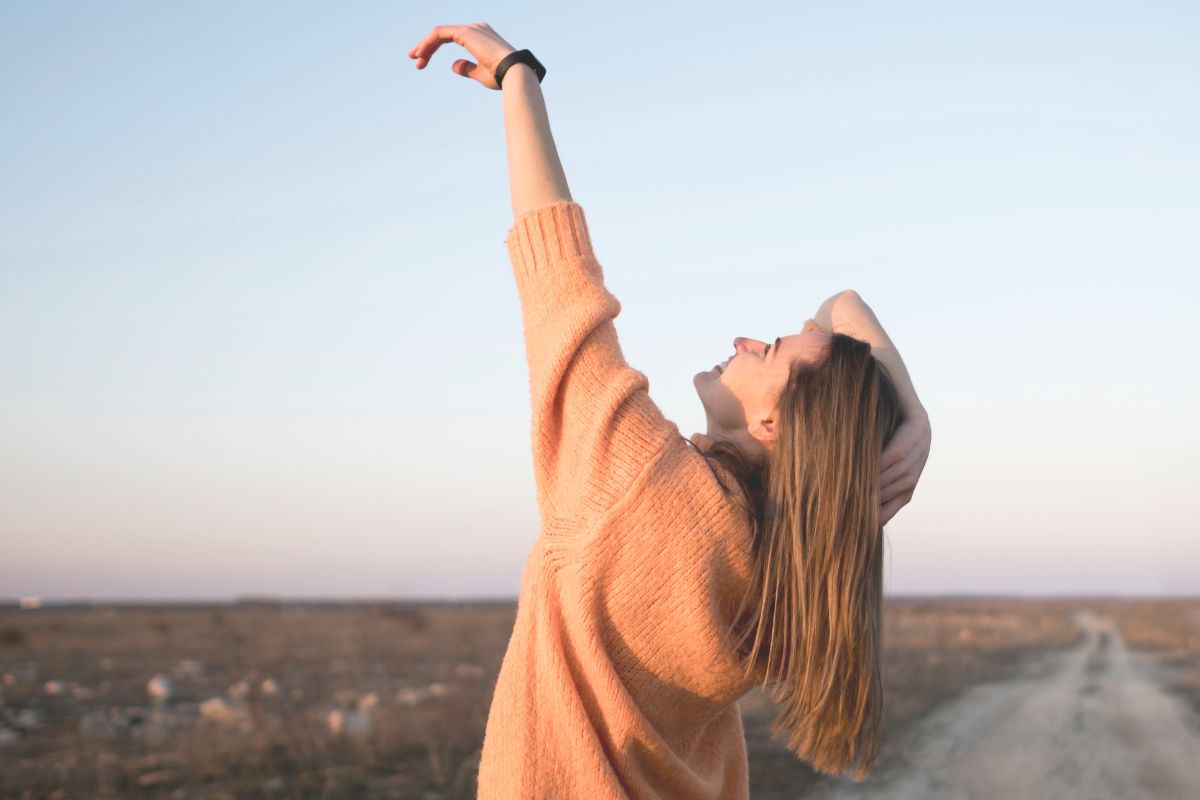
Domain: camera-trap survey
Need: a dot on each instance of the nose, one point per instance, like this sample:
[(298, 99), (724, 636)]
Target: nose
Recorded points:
[(743, 345)]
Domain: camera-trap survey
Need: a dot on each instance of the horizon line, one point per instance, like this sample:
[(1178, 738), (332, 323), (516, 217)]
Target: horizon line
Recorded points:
[(33, 602)]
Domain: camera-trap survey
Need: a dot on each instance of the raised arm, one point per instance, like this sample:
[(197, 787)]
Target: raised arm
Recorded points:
[(595, 430), (846, 312), (534, 171), (903, 460), (535, 175)]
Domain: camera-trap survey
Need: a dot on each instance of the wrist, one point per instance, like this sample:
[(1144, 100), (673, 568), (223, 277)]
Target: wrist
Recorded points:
[(519, 74), (514, 59)]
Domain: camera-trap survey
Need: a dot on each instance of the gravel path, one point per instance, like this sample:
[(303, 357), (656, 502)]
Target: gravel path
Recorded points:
[(1090, 723)]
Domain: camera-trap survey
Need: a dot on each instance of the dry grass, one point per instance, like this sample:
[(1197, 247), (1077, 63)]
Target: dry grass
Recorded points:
[(321, 658), (1167, 630)]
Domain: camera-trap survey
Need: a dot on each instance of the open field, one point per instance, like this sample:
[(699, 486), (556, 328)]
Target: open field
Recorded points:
[(1169, 632), (390, 700)]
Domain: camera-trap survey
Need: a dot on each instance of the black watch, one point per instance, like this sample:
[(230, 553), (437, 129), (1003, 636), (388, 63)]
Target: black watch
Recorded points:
[(518, 57)]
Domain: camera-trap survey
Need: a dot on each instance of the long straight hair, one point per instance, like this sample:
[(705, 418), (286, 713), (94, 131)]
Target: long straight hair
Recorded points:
[(810, 620)]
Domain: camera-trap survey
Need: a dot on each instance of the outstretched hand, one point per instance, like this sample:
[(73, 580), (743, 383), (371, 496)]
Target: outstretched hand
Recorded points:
[(901, 464), (479, 40)]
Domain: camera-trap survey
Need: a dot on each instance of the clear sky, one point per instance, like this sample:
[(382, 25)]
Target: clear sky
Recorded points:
[(258, 330)]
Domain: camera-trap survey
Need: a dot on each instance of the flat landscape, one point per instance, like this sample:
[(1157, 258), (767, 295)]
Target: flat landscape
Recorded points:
[(996, 698)]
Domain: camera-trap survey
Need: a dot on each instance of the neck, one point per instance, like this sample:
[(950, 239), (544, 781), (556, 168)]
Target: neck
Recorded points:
[(751, 447)]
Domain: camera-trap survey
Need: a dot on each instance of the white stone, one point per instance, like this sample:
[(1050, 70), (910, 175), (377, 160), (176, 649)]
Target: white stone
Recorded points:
[(468, 671), (239, 690), (217, 709), (160, 688), (368, 701), (410, 696), (350, 724), (270, 687), (54, 687)]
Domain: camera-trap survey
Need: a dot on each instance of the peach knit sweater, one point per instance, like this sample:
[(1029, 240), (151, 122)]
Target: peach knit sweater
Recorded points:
[(615, 683)]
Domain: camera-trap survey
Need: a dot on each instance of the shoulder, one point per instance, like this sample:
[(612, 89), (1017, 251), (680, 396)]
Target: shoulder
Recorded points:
[(683, 487)]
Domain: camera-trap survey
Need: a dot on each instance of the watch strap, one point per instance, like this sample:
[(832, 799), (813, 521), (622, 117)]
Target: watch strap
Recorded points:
[(518, 57)]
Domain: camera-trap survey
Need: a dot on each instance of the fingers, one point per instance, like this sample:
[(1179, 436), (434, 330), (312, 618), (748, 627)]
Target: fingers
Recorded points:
[(889, 510), (892, 506), (897, 481), (432, 41), (810, 325), (893, 474), (905, 485), (893, 453), (464, 67), (889, 493)]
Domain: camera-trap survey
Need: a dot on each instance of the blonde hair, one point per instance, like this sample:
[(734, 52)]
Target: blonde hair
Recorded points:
[(810, 620)]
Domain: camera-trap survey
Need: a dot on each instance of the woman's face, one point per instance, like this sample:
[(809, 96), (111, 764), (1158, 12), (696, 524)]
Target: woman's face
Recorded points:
[(739, 395)]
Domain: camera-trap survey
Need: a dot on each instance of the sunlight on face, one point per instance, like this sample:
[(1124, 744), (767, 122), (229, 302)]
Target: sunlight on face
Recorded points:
[(739, 394)]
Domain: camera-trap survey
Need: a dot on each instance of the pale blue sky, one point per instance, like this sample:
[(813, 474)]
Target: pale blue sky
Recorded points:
[(260, 335)]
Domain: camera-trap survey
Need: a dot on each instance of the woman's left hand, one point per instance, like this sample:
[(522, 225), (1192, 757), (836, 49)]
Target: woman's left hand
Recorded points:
[(479, 40), (901, 464)]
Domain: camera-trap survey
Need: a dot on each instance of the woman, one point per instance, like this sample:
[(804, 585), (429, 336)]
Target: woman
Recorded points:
[(673, 575)]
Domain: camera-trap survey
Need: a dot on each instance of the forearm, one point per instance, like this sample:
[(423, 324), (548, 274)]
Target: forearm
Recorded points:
[(534, 172), (847, 313)]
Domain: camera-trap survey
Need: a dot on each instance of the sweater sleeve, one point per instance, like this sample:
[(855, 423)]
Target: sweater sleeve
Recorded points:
[(594, 427)]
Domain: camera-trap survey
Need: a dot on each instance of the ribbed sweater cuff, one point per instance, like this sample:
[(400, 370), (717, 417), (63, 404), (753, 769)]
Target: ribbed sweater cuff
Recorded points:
[(548, 234)]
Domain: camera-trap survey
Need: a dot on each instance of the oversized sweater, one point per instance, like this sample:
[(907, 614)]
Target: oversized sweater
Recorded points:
[(615, 683)]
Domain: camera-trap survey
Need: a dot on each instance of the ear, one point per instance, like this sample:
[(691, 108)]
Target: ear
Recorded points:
[(764, 431)]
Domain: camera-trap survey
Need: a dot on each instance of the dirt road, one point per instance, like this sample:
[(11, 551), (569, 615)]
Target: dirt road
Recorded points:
[(1089, 723)]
